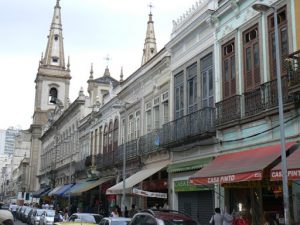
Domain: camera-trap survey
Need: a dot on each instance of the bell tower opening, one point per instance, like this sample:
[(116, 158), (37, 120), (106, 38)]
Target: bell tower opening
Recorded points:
[(53, 95)]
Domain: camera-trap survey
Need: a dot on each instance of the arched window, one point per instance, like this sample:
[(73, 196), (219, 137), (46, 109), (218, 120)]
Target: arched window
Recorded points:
[(53, 95), (105, 140), (116, 134), (110, 137)]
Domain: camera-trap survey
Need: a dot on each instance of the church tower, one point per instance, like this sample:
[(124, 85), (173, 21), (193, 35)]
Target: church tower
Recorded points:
[(150, 42), (52, 87)]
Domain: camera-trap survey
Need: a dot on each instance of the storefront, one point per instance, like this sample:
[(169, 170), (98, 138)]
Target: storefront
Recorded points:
[(196, 201), (152, 178), (293, 172), (85, 195), (245, 178)]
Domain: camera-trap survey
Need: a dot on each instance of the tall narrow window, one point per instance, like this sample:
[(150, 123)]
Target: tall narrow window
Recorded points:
[(192, 87), (110, 134), (123, 131), (228, 68), (207, 81), (100, 141), (283, 41), (105, 140), (251, 58), (137, 124), (130, 127), (92, 143), (96, 142), (179, 97), (116, 135), (148, 121)]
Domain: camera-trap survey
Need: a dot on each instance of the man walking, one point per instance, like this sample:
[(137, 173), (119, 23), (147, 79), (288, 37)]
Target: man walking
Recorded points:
[(13, 209)]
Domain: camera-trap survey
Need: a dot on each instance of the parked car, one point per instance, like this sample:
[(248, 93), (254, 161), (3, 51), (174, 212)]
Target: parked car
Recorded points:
[(35, 216), (29, 216), (115, 221), (162, 217), (6, 217), (22, 212), (47, 217), (25, 214), (85, 217)]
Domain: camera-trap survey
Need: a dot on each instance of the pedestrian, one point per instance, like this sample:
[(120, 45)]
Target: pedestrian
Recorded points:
[(132, 211), (58, 217), (13, 209), (126, 212), (114, 212), (227, 218), (66, 215), (217, 218)]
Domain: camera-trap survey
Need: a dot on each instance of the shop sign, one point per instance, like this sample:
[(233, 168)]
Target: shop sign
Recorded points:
[(185, 186), (292, 174), (251, 176), (149, 194)]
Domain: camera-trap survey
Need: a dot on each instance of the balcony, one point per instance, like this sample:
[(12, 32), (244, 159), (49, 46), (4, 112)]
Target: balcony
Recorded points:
[(228, 109), (195, 125), (262, 99), (110, 159), (293, 67), (265, 97), (80, 166), (150, 142)]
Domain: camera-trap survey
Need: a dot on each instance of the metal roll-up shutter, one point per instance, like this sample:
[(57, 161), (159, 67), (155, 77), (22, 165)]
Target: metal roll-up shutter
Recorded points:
[(198, 204)]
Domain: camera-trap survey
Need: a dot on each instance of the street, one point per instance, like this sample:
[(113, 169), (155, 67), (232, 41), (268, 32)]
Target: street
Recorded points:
[(19, 222)]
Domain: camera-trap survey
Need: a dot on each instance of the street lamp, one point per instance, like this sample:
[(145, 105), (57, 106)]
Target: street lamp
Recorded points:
[(263, 7), (122, 105)]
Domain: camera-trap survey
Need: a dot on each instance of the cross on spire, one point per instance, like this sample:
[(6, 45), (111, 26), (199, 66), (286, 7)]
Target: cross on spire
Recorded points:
[(150, 7), (57, 2), (107, 59)]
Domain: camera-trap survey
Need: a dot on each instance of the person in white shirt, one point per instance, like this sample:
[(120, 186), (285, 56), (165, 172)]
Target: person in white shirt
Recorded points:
[(227, 218), (13, 208), (217, 218)]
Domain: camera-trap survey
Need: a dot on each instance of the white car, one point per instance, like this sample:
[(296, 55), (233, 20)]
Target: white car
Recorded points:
[(115, 221), (35, 216), (6, 217), (47, 217), (85, 217)]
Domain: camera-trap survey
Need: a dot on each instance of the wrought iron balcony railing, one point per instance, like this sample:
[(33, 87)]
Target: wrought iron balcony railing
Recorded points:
[(251, 103), (265, 97), (80, 166), (292, 64), (195, 124), (116, 156), (228, 109), (150, 142)]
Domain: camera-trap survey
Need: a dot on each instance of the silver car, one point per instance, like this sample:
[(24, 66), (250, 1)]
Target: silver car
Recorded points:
[(47, 217), (115, 221), (35, 216)]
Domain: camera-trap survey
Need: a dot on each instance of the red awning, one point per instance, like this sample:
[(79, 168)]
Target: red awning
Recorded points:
[(237, 167), (293, 168)]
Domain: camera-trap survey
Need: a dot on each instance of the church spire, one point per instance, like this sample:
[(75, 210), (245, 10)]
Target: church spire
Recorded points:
[(150, 42), (54, 55)]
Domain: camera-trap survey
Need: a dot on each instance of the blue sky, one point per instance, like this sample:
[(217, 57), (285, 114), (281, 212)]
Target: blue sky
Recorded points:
[(92, 29)]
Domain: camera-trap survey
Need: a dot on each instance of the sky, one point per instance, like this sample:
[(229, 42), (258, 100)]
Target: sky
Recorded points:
[(92, 30)]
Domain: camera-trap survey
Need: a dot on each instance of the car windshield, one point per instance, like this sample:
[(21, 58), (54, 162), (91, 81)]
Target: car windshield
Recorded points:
[(39, 212), (120, 222), (97, 218), (88, 218), (180, 222), (50, 213)]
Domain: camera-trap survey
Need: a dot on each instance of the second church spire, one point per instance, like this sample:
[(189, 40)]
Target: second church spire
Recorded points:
[(150, 42)]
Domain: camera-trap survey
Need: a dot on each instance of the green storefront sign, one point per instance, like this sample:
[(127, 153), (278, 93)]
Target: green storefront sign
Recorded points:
[(185, 186)]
